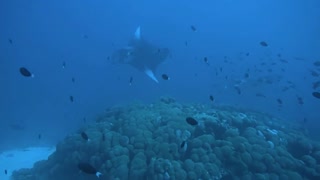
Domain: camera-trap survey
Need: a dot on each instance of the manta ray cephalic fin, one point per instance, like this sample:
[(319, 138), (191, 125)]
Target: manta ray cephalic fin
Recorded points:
[(137, 34)]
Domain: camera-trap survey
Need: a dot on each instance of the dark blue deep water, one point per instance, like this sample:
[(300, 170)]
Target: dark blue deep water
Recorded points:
[(253, 56)]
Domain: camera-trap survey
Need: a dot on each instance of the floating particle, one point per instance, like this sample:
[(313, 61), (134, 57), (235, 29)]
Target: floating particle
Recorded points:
[(191, 121)]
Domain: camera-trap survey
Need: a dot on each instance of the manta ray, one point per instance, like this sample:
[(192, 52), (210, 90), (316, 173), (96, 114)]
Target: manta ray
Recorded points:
[(141, 55)]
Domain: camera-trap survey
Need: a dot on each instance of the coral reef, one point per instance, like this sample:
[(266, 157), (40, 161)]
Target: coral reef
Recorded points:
[(154, 142)]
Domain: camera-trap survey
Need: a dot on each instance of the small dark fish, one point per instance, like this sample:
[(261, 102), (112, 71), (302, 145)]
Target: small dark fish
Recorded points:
[(316, 95), (314, 73), (73, 80), (5, 172), (315, 85), (25, 72), (305, 120), (87, 168), (260, 95), (39, 136), (17, 126), (71, 98), (246, 75), (63, 64), (279, 101), (279, 55), (211, 98), (85, 36), (186, 43), (316, 63), (10, 155), (182, 144), (130, 80), (283, 61), (84, 136), (10, 41), (237, 88), (165, 77), (205, 59), (191, 121), (300, 100), (84, 120), (298, 58), (193, 28), (247, 54), (263, 43)]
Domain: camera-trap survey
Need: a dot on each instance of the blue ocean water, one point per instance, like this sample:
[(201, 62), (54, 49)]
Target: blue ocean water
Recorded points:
[(68, 46)]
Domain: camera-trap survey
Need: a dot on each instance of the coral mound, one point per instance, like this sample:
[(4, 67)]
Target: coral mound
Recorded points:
[(155, 142)]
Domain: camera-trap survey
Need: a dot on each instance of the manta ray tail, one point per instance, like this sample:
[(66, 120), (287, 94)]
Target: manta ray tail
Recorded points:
[(137, 34), (151, 75)]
